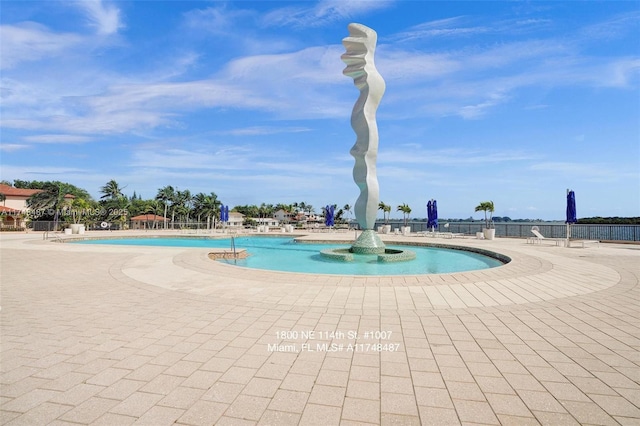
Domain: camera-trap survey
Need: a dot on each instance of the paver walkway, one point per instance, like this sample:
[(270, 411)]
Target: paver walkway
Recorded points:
[(144, 335)]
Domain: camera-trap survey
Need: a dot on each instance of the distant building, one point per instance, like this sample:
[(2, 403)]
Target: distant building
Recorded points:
[(11, 218), (148, 221), (284, 216), (302, 218), (236, 219), (13, 209), (269, 221)]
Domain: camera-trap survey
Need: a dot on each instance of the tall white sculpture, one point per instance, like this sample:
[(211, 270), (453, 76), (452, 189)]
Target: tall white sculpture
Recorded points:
[(361, 46)]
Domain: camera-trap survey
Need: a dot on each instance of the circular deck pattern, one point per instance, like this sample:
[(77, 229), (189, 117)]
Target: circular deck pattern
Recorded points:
[(115, 335)]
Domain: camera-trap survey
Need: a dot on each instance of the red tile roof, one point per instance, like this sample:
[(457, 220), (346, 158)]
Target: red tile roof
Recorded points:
[(10, 191), (17, 192), (9, 210)]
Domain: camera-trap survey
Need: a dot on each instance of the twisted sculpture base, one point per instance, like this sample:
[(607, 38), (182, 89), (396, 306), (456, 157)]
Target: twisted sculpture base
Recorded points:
[(369, 243)]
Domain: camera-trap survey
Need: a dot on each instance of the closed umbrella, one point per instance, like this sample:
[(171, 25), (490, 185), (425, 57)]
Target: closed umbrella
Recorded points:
[(329, 216), (571, 213), (432, 214), (224, 214)]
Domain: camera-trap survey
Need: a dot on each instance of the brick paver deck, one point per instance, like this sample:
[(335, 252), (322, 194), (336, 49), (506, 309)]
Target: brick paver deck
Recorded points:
[(110, 335)]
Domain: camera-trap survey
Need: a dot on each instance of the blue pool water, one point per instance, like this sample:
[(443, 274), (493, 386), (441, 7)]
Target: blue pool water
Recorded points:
[(284, 254)]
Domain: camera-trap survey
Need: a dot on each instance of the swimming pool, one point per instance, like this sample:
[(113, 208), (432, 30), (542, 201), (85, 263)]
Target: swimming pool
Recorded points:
[(285, 254)]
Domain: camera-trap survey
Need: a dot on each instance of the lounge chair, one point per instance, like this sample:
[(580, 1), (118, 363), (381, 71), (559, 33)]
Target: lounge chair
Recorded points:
[(539, 238)]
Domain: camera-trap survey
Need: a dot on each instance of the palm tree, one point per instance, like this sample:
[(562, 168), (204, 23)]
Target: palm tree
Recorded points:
[(386, 209), (174, 206), (50, 198), (182, 211), (184, 200), (347, 208), (265, 211), (114, 202), (152, 207), (309, 208), (198, 201), (211, 208), (207, 205), (165, 195), (78, 206), (486, 206), (111, 190), (406, 210), (156, 208)]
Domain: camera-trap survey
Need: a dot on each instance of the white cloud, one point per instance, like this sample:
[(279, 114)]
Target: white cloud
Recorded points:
[(11, 147), (30, 41), (102, 16), (477, 110), (464, 26), (409, 67), (322, 12), (585, 172), (472, 82), (55, 139), (263, 130), (29, 172), (448, 27), (225, 159), (450, 157), (305, 83), (309, 84), (622, 73), (292, 84), (221, 20), (250, 160), (612, 28)]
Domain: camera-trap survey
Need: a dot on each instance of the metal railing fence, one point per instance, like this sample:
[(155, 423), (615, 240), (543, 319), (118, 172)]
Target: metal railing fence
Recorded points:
[(601, 232), (523, 229)]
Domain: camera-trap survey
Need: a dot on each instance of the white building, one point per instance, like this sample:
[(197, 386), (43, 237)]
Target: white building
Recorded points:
[(235, 219), (284, 216)]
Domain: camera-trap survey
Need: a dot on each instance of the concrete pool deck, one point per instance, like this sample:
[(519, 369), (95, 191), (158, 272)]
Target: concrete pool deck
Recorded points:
[(118, 335)]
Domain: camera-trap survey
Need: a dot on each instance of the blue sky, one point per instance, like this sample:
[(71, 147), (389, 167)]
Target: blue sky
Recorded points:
[(507, 101)]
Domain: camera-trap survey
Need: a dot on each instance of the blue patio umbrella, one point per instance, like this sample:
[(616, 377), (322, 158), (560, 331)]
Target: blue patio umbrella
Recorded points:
[(329, 215), (224, 213), (571, 207), (571, 213), (432, 214)]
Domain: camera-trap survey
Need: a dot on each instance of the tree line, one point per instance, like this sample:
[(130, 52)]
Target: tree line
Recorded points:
[(183, 206), (113, 206), (609, 220)]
